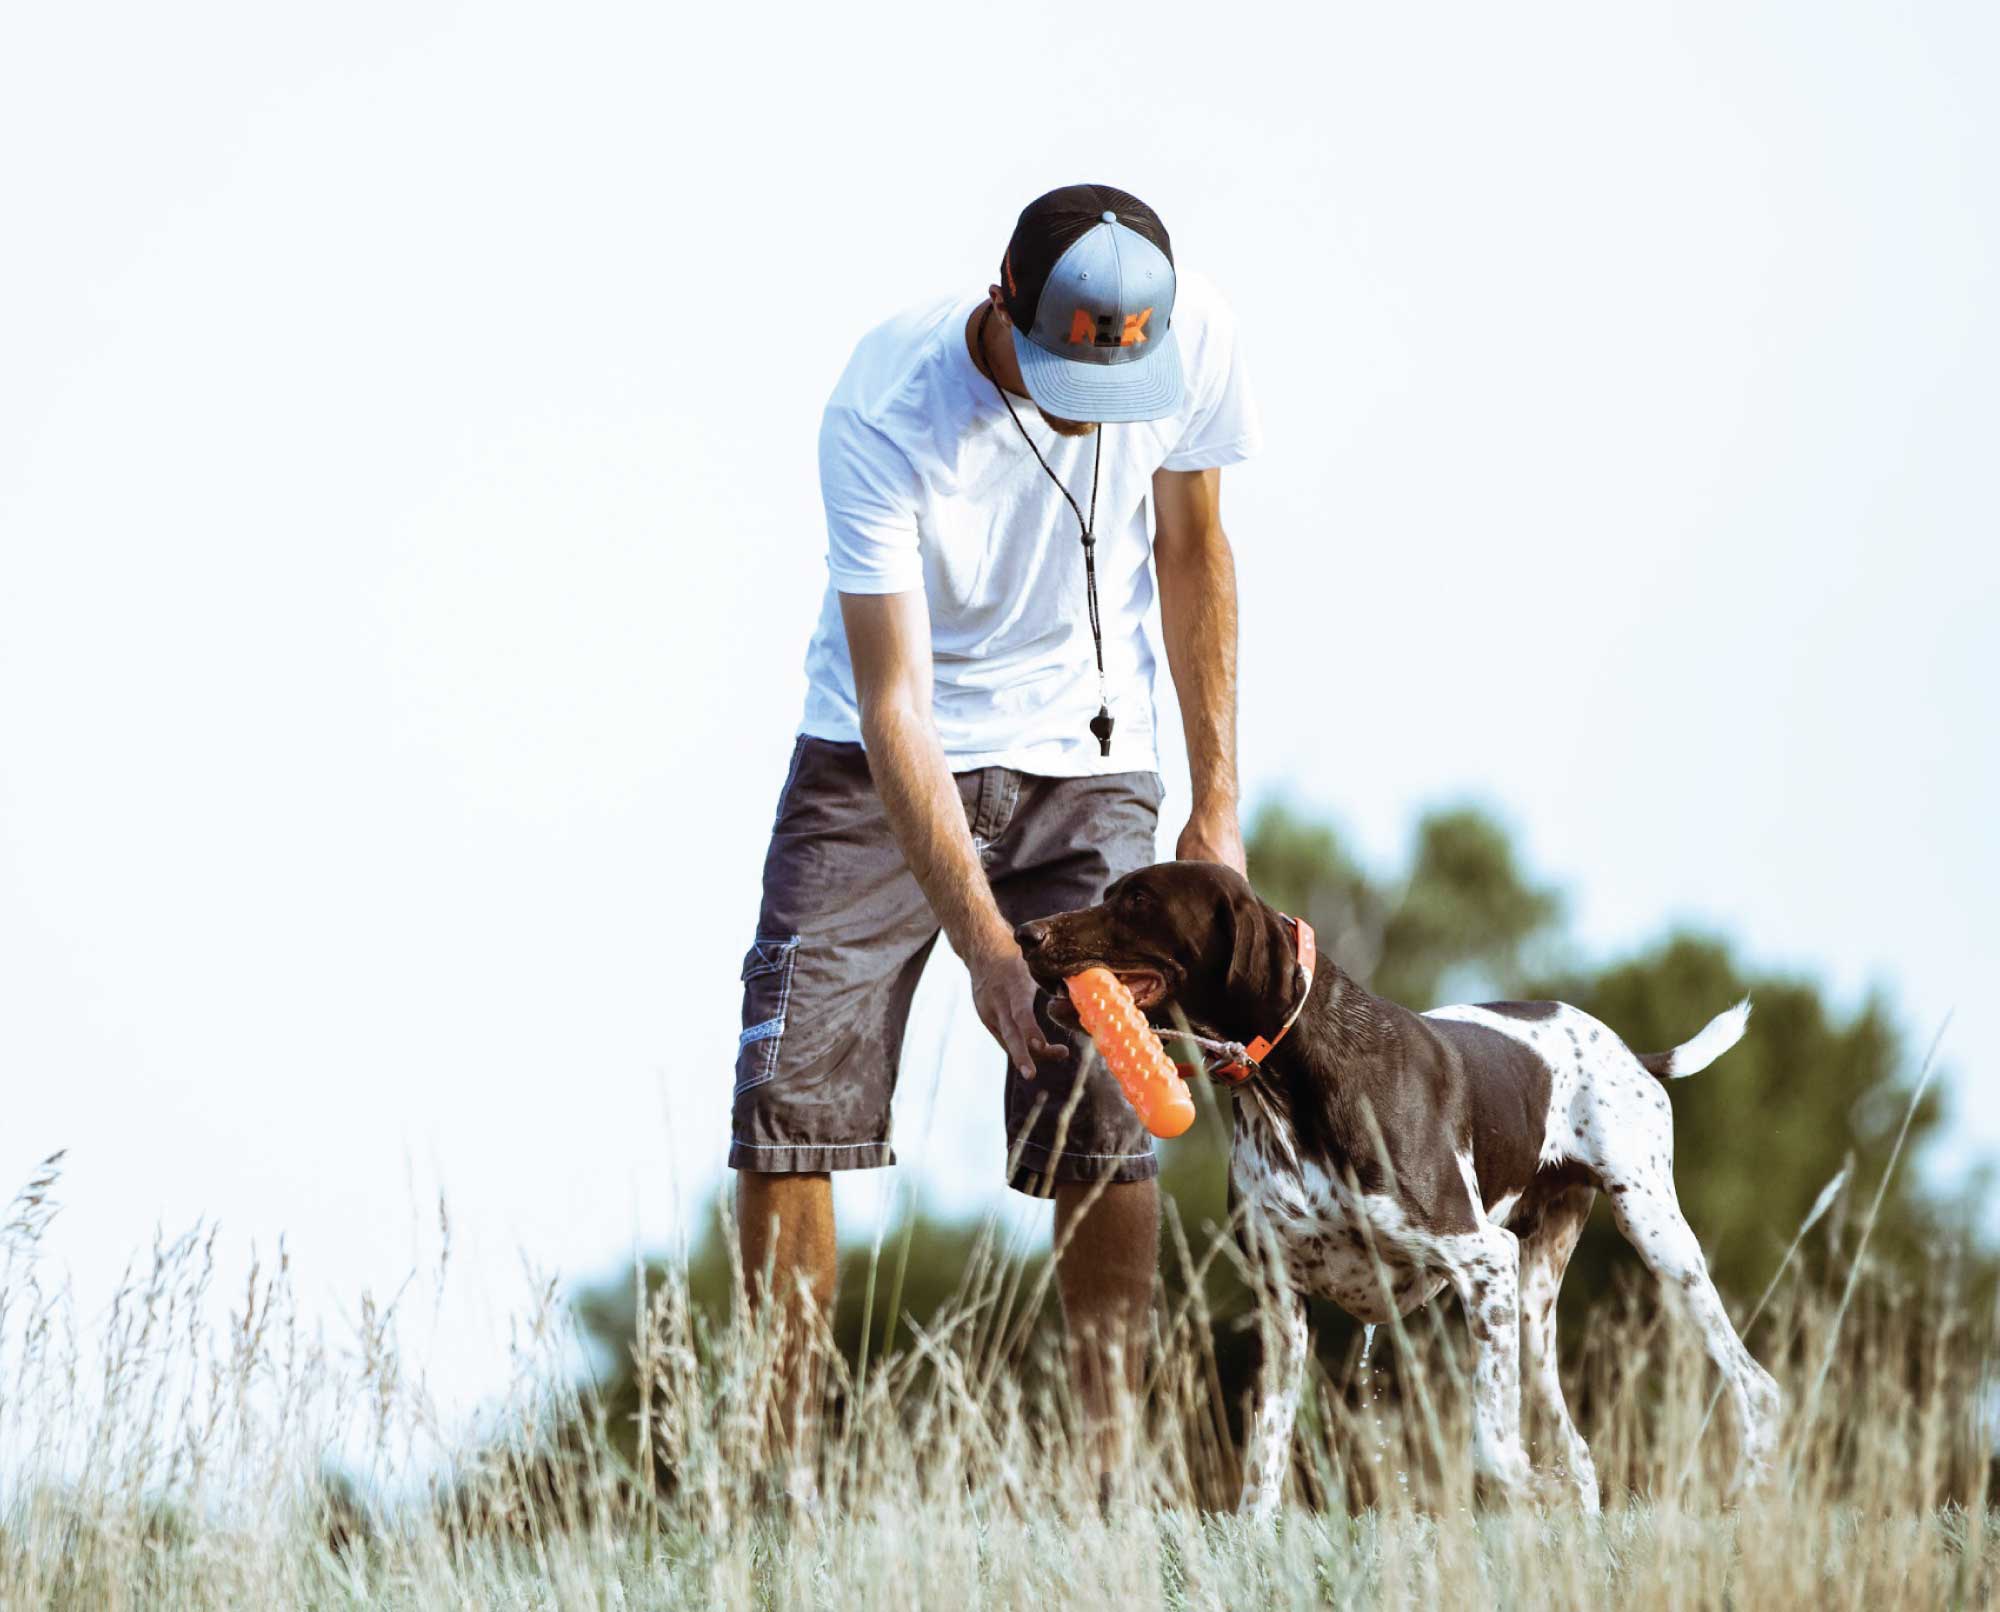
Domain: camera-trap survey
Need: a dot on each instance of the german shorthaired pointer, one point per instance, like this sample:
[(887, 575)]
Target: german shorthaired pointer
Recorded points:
[(1380, 1154)]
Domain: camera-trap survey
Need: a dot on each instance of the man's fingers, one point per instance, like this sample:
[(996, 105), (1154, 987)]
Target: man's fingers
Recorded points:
[(1013, 1041), (1040, 1048), (1006, 1004)]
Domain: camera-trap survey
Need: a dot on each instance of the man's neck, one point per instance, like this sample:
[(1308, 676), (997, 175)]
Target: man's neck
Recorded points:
[(992, 353)]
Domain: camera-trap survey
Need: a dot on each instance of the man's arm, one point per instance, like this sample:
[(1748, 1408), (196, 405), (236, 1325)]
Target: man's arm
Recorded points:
[(889, 644), (1198, 620)]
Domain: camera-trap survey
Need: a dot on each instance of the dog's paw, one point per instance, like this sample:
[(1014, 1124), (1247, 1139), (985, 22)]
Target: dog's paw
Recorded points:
[(1260, 1502), (1558, 1488), (1506, 1478)]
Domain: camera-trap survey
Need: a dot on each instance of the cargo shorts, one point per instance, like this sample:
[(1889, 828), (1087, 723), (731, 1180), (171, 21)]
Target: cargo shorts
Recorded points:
[(844, 932)]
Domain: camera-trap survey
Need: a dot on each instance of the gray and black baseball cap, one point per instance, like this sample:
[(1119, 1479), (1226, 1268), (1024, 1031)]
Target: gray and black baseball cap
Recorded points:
[(1088, 279)]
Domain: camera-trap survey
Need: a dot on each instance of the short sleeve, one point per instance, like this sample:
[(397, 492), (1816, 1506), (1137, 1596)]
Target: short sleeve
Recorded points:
[(870, 493), (1223, 427)]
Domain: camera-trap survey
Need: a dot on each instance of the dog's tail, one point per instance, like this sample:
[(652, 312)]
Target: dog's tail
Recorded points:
[(1713, 1039)]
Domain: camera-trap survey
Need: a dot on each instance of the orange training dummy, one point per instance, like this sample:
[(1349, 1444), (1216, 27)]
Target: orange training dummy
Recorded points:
[(1131, 1051)]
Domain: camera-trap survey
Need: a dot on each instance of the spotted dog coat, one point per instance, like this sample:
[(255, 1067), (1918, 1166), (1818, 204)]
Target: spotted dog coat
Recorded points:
[(1382, 1155)]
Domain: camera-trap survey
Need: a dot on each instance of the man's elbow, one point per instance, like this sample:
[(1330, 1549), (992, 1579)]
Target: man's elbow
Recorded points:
[(891, 715), (1199, 548)]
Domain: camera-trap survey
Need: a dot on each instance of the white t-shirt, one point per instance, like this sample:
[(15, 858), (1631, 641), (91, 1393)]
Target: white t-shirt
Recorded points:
[(927, 484)]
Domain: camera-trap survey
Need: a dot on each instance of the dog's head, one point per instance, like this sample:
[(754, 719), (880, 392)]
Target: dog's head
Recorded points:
[(1186, 935)]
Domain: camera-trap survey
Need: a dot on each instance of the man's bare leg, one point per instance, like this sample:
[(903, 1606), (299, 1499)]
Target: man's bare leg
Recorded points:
[(1110, 1252), (786, 1222)]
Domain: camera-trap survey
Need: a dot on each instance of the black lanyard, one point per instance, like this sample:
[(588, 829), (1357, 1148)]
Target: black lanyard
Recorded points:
[(1101, 724)]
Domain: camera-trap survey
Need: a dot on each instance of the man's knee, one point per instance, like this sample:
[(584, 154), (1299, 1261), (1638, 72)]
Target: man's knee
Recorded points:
[(785, 1224), (1108, 1234), (789, 1198), (1112, 1198)]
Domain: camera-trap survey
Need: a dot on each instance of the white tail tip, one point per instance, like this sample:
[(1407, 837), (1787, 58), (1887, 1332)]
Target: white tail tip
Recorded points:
[(1713, 1039)]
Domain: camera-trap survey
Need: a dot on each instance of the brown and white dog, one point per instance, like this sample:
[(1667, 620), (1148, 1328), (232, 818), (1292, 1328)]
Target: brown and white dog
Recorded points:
[(1383, 1153)]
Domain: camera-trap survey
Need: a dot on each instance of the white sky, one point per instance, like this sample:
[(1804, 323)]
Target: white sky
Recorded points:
[(409, 536)]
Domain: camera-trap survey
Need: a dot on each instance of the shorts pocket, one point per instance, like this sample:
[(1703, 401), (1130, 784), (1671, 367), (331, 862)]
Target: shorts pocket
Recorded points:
[(767, 991)]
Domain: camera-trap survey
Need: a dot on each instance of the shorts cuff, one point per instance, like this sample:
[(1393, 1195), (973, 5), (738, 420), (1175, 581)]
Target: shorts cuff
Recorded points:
[(780, 1158), (1037, 1171)]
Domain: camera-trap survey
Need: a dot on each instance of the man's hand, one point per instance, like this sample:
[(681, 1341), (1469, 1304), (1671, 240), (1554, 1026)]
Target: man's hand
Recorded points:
[(1212, 835), (1004, 993)]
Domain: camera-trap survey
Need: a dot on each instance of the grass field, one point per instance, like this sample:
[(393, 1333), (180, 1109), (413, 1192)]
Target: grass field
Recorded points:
[(163, 1462)]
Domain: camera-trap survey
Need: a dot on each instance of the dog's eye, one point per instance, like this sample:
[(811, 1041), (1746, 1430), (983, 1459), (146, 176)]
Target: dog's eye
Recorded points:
[(1133, 898)]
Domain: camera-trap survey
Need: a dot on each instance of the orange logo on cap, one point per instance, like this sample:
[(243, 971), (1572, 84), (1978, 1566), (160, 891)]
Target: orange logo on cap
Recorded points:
[(1096, 329)]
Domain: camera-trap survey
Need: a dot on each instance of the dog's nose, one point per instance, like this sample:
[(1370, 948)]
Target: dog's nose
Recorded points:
[(1030, 935)]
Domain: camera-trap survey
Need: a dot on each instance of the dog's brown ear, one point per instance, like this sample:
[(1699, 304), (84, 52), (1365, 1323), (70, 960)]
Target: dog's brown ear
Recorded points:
[(1260, 959)]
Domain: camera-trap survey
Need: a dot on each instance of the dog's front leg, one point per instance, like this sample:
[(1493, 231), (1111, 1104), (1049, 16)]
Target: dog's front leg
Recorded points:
[(1280, 1382)]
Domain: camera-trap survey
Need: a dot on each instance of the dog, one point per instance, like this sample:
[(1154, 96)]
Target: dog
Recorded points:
[(1380, 1155)]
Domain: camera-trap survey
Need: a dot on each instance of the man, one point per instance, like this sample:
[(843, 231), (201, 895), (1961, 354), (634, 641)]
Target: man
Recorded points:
[(977, 748)]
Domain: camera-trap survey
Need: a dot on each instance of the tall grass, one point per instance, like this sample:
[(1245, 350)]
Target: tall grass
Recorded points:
[(162, 1461)]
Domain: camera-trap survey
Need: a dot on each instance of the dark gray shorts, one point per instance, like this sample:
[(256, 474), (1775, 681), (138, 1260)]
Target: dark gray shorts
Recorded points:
[(844, 932)]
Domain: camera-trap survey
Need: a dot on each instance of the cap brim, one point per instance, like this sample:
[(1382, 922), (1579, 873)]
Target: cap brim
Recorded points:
[(1145, 389)]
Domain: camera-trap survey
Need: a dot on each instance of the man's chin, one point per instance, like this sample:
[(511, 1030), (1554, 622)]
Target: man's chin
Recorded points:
[(1066, 428)]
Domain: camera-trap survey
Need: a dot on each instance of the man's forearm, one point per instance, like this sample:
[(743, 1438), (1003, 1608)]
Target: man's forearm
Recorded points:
[(1198, 623), (928, 819)]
